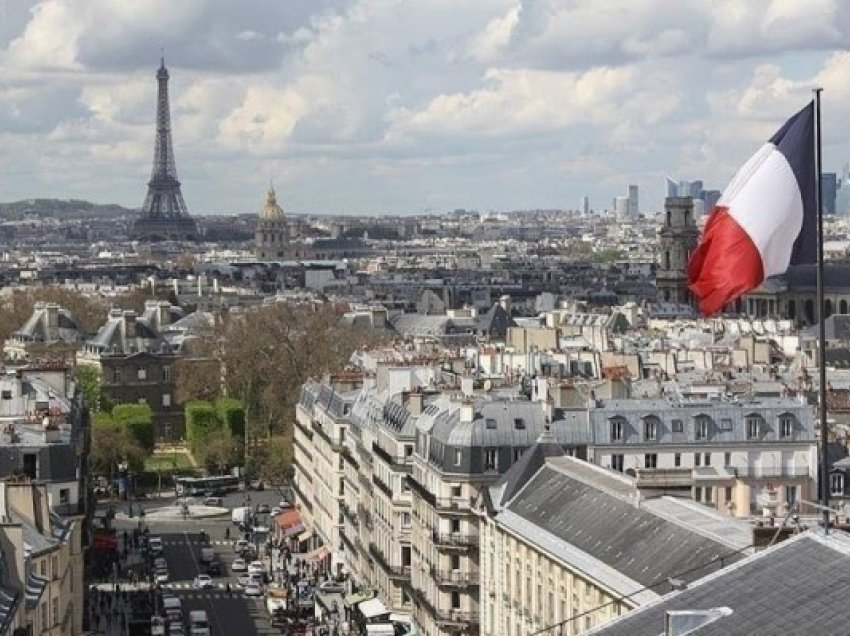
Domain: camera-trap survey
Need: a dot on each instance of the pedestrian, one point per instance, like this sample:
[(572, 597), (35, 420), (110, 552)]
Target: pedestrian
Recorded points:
[(227, 533)]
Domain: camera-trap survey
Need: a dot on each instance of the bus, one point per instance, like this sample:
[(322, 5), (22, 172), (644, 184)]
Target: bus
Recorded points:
[(194, 486)]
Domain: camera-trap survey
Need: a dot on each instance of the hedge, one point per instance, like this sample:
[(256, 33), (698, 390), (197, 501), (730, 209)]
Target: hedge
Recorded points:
[(137, 419)]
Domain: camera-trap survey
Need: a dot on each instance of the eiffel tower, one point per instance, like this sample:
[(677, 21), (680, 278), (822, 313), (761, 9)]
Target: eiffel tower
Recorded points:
[(164, 214)]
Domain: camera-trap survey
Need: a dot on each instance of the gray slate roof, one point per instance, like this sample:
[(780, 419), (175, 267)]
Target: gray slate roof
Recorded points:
[(796, 587), (642, 546)]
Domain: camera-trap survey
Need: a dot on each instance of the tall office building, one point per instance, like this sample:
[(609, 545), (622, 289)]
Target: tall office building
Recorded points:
[(621, 207), (704, 200), (842, 198), (634, 203), (829, 190), (585, 205)]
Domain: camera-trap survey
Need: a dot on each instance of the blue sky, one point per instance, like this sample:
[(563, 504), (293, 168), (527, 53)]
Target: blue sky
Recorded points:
[(385, 106)]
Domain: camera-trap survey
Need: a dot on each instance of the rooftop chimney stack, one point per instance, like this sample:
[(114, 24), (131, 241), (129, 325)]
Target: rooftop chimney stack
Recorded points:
[(467, 411)]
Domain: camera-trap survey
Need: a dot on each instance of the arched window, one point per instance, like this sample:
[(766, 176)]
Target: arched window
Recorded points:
[(827, 308), (755, 426), (842, 306), (651, 428), (619, 429), (703, 427), (809, 311), (792, 310)]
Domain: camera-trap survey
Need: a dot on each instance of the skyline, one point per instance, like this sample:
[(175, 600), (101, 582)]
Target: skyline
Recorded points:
[(373, 107)]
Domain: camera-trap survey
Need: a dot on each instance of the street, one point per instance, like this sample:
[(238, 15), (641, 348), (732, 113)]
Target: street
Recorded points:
[(229, 614)]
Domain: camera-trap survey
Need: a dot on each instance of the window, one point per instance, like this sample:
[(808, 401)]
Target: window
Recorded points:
[(142, 374), (702, 427), (707, 459), (408, 450), (458, 456), (650, 460), (697, 493), (786, 426), (456, 600), (490, 458), (726, 424), (677, 460), (456, 491), (678, 426), (117, 376), (490, 423), (727, 459), (7, 394), (405, 519), (519, 424), (617, 463), (64, 495), (709, 494), (728, 494), (753, 426), (697, 459), (142, 400), (455, 562), (54, 567), (616, 430), (166, 373), (650, 429), (836, 483), (166, 399), (454, 525), (43, 567), (518, 453), (790, 495)]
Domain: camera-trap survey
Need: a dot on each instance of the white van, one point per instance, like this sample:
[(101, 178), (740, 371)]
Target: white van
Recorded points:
[(241, 515), (199, 624), (173, 608)]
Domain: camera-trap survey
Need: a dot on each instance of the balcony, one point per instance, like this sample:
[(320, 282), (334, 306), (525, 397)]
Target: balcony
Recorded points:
[(364, 454), (302, 498), (454, 578), (347, 456), (448, 619), (396, 463), (395, 572), (441, 504), (349, 514), (365, 515), (348, 544), (454, 540), (304, 430), (303, 449), (335, 446), (364, 482), (771, 472), (382, 486)]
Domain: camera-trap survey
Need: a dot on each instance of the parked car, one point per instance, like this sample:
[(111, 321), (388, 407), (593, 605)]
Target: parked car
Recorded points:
[(331, 586), (176, 629), (239, 565), (248, 579), (253, 589), (202, 581), (276, 511), (160, 562), (213, 501), (263, 508), (161, 575), (283, 504)]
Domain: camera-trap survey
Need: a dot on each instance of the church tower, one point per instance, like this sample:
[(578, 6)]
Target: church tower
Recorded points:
[(676, 240), (271, 242)]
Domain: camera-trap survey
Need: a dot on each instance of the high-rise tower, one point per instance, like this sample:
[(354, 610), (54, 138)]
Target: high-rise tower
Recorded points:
[(164, 214)]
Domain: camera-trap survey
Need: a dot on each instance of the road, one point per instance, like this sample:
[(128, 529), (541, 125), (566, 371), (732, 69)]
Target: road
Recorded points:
[(228, 614)]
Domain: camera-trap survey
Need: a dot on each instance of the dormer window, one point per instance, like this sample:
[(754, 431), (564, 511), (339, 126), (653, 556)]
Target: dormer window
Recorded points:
[(519, 424), (753, 426), (617, 430), (702, 427), (490, 423), (786, 426), (491, 459), (650, 429), (836, 483)]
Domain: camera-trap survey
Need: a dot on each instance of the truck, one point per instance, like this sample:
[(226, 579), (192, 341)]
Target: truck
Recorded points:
[(241, 516)]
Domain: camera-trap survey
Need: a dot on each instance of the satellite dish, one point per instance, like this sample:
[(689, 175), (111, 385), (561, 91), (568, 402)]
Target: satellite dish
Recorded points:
[(488, 385)]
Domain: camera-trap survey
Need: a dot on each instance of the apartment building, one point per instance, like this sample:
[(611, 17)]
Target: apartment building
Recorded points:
[(464, 443), (730, 454), (568, 546), (321, 420), (41, 564)]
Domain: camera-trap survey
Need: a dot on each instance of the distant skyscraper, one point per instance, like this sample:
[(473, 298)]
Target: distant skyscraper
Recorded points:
[(695, 190), (710, 198), (621, 207), (842, 199), (585, 205), (829, 190), (634, 203), (164, 214)]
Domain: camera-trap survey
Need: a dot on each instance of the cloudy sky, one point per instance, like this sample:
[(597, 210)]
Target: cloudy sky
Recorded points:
[(409, 105)]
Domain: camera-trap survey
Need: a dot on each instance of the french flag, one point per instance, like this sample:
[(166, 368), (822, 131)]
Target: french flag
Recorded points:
[(765, 221)]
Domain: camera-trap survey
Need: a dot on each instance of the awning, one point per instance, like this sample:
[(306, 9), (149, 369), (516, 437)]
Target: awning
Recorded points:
[(358, 597), (401, 618), (34, 589), (287, 518), (304, 536), (8, 606), (319, 553), (291, 530), (372, 608)]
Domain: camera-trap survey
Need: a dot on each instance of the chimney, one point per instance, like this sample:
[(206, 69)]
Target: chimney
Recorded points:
[(467, 385), (163, 314), (215, 286), (176, 286), (414, 403), (379, 317), (548, 410), (467, 411), (50, 431), (505, 302)]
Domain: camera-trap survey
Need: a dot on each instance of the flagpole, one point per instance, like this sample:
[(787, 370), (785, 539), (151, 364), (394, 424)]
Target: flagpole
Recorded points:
[(824, 427)]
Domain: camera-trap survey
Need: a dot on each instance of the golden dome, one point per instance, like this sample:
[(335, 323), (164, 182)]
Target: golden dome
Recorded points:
[(271, 210)]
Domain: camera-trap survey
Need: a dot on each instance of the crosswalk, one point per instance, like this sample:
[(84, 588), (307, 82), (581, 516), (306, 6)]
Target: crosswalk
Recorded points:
[(183, 542), (177, 586)]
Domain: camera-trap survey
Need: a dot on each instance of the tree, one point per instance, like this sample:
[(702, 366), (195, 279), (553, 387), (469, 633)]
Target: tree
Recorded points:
[(218, 451), (94, 397), (197, 378), (137, 421), (272, 461), (111, 445), (201, 422), (231, 414)]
